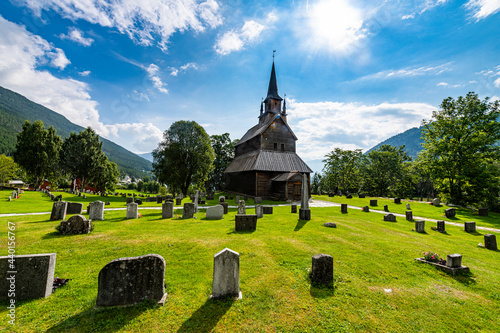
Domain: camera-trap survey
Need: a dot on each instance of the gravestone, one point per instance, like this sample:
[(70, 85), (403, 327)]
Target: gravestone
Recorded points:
[(210, 196), (215, 213), (188, 211), (267, 209), (454, 260), (440, 226), (96, 210), (390, 218), (74, 208), (59, 210), (330, 225), (130, 200), (138, 201), (348, 196), (107, 203), (304, 211), (470, 226), (436, 202), (237, 200), (386, 208), (226, 281), (202, 202), (130, 281), (408, 206), (322, 270), (241, 207), (33, 278), (167, 210), (222, 198), (420, 226), (75, 225), (294, 209), (482, 211), (159, 200), (259, 211), (373, 202), (245, 222), (196, 201), (132, 211), (258, 200), (225, 205), (450, 213), (84, 196), (366, 209), (361, 196), (490, 242), (343, 208), (178, 201), (409, 215)]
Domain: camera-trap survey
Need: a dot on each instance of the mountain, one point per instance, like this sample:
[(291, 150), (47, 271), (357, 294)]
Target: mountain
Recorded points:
[(15, 109), (410, 138), (147, 156)]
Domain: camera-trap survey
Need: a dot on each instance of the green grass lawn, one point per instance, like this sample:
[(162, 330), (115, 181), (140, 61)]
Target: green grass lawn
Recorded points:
[(370, 256)]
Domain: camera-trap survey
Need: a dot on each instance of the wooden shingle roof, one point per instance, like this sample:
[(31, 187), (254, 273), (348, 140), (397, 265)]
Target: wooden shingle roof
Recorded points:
[(256, 130), (265, 160)]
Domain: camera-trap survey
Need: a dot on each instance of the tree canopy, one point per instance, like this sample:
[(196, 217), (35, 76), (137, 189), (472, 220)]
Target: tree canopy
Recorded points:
[(8, 169), (184, 157), (224, 153), (341, 169)]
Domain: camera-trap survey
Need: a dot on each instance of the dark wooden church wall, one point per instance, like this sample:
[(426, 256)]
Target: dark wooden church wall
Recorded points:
[(248, 146), (278, 134), (241, 182)]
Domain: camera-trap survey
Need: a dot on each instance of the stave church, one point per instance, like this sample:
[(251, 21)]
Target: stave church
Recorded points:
[(266, 163)]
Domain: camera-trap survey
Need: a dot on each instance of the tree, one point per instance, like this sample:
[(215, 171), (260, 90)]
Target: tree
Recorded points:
[(224, 154), (8, 169), (107, 176), (184, 157), (382, 170), (37, 151), (316, 183), (341, 169), (460, 150)]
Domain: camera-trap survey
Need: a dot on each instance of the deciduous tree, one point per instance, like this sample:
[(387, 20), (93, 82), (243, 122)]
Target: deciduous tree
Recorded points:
[(341, 169)]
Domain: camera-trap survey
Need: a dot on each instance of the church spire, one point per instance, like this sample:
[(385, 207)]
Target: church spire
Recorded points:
[(272, 91)]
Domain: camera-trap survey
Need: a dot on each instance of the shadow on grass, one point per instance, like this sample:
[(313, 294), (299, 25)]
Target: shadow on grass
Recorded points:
[(241, 232), (321, 291), (101, 320), (465, 278), (207, 316), (474, 233), (300, 224)]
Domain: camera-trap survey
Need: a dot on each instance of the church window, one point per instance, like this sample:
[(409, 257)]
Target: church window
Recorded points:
[(275, 146), (282, 147)]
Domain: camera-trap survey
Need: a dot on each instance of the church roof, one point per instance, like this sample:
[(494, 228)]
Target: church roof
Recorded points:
[(288, 176), (272, 91), (257, 130), (267, 160)]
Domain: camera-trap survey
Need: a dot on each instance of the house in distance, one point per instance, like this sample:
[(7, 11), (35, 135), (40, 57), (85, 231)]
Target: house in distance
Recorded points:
[(265, 163)]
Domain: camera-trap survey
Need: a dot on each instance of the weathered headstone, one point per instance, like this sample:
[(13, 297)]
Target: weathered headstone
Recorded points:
[(470, 226), (294, 209), (96, 210), (420, 226), (167, 210), (159, 200), (361, 195), (330, 225), (225, 205), (441, 226), (222, 198), (74, 208), (132, 211), (196, 201), (348, 196), (215, 213), (490, 242), (322, 270), (33, 277), (390, 218), (258, 200), (237, 200), (130, 200), (409, 215), (84, 196), (245, 222), (436, 202), (76, 224), (304, 211), (408, 206), (188, 211), (482, 211), (130, 281), (178, 201), (366, 209), (386, 208), (267, 209), (241, 207), (259, 211), (373, 202), (343, 208), (226, 275), (138, 201), (454, 260), (450, 213), (59, 209)]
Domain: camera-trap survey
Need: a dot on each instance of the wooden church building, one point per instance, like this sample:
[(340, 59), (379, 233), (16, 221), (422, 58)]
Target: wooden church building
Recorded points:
[(265, 163)]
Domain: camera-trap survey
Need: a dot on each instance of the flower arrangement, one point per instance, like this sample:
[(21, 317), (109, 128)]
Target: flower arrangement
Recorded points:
[(431, 256), (140, 215)]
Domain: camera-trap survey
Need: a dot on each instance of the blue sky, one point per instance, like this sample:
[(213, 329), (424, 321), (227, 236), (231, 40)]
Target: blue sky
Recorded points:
[(354, 72)]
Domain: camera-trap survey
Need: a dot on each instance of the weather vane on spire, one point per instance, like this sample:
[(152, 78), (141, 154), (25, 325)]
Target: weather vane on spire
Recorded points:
[(274, 51)]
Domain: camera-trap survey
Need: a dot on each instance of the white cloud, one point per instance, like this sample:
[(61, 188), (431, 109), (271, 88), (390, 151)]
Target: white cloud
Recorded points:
[(422, 6), (157, 82), (323, 126), (146, 22), (59, 59), (481, 9), (84, 73), (76, 35), (444, 84), (492, 73), (145, 137), (175, 71), (409, 71), (250, 33)]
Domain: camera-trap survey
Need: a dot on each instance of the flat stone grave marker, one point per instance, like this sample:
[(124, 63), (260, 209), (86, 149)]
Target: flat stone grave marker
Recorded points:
[(241, 207), (130, 281), (74, 208), (167, 210), (215, 213), (409, 215), (330, 225), (390, 218), (245, 222), (267, 209), (343, 208), (76, 224), (482, 211), (490, 242), (188, 211), (59, 209), (259, 211), (470, 226), (226, 282), (440, 226), (450, 213), (132, 211), (33, 278), (420, 226), (96, 210), (322, 270), (373, 202), (225, 205)]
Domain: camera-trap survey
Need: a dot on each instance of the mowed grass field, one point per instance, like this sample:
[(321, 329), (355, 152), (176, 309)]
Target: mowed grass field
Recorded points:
[(378, 286)]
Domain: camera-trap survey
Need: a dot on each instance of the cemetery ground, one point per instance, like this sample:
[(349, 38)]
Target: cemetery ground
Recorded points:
[(378, 286)]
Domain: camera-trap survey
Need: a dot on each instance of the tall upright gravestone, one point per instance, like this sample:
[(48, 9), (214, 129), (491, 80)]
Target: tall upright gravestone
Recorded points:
[(96, 210), (132, 212), (226, 275), (58, 210), (167, 210), (304, 211), (241, 207)]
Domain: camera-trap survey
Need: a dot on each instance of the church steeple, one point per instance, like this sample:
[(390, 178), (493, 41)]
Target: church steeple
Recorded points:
[(272, 91)]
